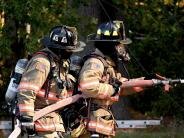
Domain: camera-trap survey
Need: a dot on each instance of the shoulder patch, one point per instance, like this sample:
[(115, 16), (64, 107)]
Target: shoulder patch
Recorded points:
[(94, 63), (95, 66)]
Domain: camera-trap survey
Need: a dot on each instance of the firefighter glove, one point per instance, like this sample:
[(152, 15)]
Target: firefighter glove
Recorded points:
[(116, 85), (27, 125)]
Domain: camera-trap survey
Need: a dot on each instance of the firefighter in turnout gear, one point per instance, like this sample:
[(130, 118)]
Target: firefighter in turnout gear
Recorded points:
[(46, 80), (99, 79)]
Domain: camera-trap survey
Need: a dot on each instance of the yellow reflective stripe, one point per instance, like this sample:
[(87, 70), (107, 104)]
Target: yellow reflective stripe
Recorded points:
[(28, 86), (99, 31), (107, 33), (115, 33)]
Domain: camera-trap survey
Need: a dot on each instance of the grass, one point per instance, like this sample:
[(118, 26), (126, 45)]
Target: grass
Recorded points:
[(159, 132), (147, 133)]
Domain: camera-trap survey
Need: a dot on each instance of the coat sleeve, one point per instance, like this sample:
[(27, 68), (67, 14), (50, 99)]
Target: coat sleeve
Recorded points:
[(32, 80), (90, 80)]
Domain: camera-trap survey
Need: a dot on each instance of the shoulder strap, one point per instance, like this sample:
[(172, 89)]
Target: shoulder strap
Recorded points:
[(50, 75), (95, 54), (99, 55), (48, 55)]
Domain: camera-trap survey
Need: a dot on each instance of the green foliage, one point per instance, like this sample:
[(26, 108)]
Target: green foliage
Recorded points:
[(170, 104), (160, 51), (42, 16)]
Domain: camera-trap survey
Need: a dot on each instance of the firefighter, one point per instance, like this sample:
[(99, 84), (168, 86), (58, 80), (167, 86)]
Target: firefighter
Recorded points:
[(46, 80), (99, 79)]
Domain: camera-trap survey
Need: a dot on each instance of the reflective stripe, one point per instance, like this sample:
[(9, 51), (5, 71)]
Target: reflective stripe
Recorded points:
[(28, 86), (104, 95), (92, 125), (53, 96), (115, 33), (25, 107), (107, 33), (84, 85), (46, 127), (70, 93), (115, 98), (95, 136), (99, 31)]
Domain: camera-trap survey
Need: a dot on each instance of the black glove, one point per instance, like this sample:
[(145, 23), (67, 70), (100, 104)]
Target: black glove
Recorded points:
[(27, 125), (116, 85)]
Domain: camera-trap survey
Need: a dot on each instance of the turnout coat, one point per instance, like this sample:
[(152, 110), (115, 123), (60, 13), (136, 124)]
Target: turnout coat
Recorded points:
[(41, 86), (94, 84)]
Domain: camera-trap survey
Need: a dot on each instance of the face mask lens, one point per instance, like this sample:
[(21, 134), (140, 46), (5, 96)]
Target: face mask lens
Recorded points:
[(122, 52)]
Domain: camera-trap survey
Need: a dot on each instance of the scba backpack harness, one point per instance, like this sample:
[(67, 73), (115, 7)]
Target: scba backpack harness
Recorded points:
[(94, 54), (75, 114), (16, 75)]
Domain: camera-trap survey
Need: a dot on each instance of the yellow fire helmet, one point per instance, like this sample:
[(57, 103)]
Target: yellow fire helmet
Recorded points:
[(113, 31)]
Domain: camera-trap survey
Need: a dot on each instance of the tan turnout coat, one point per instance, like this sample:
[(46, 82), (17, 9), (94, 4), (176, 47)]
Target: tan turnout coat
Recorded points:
[(31, 95)]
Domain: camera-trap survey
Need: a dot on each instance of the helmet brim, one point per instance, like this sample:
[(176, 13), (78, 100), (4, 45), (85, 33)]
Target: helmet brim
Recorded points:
[(48, 43), (92, 37)]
